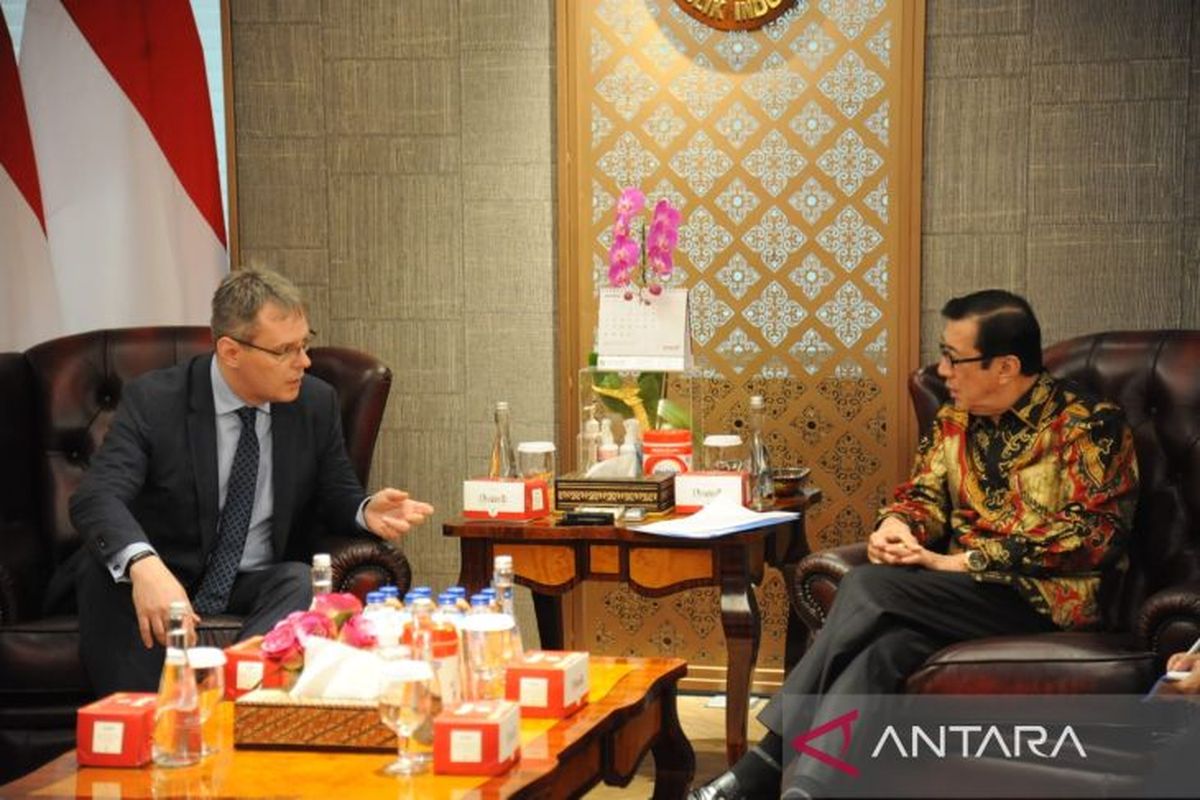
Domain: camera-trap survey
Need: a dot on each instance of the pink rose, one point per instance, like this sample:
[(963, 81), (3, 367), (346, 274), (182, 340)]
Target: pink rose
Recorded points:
[(358, 632), (311, 623), (337, 607), (281, 644)]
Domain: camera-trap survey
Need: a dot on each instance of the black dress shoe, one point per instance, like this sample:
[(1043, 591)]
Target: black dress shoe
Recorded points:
[(723, 787)]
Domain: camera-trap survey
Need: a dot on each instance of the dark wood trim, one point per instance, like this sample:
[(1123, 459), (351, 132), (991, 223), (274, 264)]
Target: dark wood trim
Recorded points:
[(234, 241)]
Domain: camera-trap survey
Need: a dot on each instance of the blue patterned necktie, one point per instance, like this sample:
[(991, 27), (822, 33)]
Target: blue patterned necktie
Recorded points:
[(213, 594)]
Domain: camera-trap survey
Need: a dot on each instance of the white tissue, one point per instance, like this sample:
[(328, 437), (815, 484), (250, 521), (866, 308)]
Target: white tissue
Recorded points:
[(333, 670)]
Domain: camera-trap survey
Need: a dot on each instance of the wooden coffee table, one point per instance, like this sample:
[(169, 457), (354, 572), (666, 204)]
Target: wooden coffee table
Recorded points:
[(604, 741), (551, 558)]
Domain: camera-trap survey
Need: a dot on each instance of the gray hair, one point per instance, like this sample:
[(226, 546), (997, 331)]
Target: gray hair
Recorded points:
[(243, 293)]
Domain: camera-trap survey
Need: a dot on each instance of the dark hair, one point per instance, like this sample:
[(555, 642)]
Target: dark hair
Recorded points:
[(1007, 326)]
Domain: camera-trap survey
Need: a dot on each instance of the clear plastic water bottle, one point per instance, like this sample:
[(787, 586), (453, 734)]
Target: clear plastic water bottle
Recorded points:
[(177, 732), (322, 574), (502, 582), (436, 641)]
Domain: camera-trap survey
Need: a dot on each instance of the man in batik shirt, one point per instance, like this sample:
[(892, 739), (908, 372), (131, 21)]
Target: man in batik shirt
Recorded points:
[(1021, 498)]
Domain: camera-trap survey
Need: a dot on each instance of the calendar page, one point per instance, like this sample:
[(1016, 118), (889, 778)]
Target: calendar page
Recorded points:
[(635, 336)]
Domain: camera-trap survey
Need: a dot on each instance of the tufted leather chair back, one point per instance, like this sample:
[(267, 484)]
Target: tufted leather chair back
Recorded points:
[(58, 402), (1155, 377)]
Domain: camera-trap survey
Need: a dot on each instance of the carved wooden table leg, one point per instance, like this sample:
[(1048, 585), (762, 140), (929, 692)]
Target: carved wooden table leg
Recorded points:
[(674, 759), (740, 621), (473, 570), (548, 608)]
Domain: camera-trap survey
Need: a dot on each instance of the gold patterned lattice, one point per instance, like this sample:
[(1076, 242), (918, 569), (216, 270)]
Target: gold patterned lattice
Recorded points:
[(783, 151), (848, 462), (628, 608), (847, 526), (700, 608)]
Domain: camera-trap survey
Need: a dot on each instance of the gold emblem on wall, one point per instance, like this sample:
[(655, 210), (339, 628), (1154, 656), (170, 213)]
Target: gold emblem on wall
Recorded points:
[(735, 15)]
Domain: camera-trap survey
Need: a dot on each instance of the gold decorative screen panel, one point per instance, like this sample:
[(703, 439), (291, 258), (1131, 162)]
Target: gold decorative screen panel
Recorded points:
[(793, 154)]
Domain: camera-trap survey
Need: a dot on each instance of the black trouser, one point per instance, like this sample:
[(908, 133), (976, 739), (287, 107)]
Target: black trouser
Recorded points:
[(111, 647), (885, 622)]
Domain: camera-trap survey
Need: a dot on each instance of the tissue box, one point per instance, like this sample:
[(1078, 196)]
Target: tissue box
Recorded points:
[(652, 492), (273, 718), (548, 683), (495, 498), (115, 731), (477, 738), (247, 669), (695, 490)]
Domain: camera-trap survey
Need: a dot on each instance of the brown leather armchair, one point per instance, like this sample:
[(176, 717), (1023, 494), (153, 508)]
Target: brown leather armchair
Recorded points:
[(1153, 608), (56, 403)]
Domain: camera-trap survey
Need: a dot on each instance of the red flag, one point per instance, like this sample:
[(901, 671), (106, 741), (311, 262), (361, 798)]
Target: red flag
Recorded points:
[(122, 129), (28, 298)]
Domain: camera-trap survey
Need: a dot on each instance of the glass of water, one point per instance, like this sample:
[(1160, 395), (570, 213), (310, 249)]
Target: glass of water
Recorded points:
[(208, 663), (407, 706), (491, 645)]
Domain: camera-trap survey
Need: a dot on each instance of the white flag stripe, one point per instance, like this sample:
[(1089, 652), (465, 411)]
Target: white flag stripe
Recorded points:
[(28, 299), (128, 245)]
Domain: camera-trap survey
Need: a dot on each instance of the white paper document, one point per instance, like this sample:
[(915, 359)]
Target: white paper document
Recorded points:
[(716, 520)]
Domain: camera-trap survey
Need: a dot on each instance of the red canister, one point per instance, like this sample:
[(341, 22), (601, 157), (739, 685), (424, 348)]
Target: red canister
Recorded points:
[(666, 451)]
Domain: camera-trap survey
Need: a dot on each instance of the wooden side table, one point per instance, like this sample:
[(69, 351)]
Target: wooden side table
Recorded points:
[(551, 559)]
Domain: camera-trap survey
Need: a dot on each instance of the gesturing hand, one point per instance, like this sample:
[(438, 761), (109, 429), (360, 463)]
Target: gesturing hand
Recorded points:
[(391, 513)]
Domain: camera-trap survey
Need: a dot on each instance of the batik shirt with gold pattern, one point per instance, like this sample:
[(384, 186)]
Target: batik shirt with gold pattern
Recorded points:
[(1046, 491)]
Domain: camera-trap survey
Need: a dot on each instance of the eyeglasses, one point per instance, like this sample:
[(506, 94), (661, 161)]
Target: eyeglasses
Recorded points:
[(284, 355), (954, 362)]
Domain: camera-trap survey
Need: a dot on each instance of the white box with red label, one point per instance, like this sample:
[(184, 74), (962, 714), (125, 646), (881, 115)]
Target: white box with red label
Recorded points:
[(479, 737), (548, 683), (695, 490), (115, 731), (496, 498)]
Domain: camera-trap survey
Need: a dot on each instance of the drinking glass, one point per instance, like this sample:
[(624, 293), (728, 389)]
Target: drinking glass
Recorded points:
[(208, 663), (407, 705), (490, 642)]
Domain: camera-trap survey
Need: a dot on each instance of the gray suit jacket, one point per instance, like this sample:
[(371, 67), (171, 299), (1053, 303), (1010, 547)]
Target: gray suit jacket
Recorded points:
[(154, 479)]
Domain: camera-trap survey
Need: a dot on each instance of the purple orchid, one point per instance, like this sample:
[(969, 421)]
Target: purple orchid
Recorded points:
[(647, 264)]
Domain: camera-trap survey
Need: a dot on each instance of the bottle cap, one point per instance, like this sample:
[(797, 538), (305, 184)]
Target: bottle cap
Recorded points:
[(480, 600), (423, 591), (410, 597), (446, 599), (502, 405), (503, 562), (489, 593), (457, 591), (321, 560), (536, 447), (390, 591), (756, 401), (376, 597)]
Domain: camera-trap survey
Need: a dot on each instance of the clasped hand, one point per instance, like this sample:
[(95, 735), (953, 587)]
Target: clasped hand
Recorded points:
[(893, 543)]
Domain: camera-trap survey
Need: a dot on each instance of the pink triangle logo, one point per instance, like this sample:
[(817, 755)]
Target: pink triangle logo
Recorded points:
[(843, 723)]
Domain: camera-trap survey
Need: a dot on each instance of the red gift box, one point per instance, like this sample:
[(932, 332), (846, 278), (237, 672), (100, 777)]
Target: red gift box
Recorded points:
[(477, 738), (247, 669), (503, 498), (115, 731), (548, 683)]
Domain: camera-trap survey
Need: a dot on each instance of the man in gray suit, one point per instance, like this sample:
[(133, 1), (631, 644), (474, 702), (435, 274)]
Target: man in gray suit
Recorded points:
[(214, 474)]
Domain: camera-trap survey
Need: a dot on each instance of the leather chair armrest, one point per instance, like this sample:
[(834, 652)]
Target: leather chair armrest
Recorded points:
[(816, 581), (363, 565), (1169, 620), (8, 597)]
